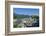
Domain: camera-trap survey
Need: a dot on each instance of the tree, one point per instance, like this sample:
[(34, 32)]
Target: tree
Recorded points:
[(35, 17)]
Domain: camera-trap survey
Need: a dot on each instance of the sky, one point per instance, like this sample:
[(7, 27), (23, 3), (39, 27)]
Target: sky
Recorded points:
[(26, 11)]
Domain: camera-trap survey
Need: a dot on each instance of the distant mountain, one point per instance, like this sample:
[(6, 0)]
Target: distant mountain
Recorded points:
[(21, 16)]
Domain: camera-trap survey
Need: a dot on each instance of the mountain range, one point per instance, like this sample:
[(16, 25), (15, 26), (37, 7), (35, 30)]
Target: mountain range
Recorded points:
[(21, 16)]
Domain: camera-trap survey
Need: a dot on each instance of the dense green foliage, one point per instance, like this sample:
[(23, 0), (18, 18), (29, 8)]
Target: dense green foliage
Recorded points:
[(17, 16), (37, 17), (20, 16), (17, 26)]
